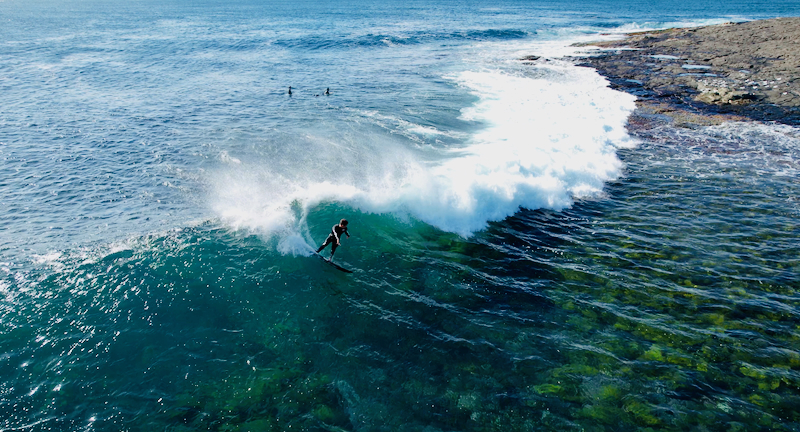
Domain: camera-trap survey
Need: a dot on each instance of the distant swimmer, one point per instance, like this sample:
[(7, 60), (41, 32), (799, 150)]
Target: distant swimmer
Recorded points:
[(328, 91), (334, 238), (290, 90)]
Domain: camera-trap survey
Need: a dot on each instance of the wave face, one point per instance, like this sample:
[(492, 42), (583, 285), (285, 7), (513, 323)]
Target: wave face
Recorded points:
[(523, 257)]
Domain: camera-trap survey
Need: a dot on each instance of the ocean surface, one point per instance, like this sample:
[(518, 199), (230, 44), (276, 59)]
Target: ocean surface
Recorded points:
[(522, 261)]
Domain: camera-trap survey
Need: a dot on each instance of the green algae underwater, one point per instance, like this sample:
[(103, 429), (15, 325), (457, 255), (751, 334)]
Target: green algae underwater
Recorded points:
[(669, 304)]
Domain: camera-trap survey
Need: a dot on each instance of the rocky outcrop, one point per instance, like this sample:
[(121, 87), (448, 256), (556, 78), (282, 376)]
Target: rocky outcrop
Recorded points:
[(749, 69)]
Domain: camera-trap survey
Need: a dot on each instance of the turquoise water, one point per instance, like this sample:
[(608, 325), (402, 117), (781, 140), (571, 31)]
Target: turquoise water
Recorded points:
[(522, 260)]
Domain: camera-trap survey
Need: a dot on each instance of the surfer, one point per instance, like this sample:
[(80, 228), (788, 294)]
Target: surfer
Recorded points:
[(334, 237), (290, 90)]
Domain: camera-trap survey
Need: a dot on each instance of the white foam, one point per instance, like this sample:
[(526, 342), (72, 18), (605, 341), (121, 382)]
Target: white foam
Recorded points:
[(226, 158), (546, 144), (295, 244), (648, 26)]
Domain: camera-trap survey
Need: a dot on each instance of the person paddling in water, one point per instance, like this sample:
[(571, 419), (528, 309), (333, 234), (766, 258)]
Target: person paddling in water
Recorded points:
[(335, 237)]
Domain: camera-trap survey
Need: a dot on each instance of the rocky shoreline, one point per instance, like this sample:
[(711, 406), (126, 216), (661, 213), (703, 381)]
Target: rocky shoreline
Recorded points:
[(709, 74)]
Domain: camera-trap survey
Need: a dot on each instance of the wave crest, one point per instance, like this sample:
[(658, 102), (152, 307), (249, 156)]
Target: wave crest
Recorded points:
[(549, 136)]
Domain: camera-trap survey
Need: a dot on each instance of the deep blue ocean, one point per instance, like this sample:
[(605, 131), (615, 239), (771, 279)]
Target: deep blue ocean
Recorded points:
[(522, 260)]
